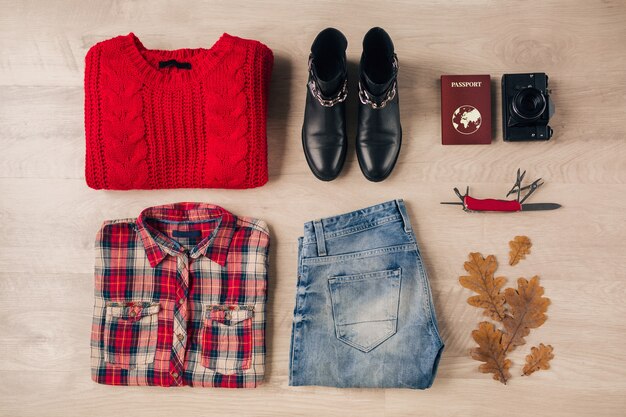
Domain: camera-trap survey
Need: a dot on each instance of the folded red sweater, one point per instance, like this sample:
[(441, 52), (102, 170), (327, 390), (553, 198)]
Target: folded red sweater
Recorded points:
[(186, 118)]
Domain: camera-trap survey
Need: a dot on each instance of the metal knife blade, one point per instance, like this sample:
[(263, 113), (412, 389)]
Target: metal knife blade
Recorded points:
[(540, 206)]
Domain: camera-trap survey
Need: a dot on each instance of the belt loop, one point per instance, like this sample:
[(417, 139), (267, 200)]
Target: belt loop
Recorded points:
[(405, 215), (319, 237)]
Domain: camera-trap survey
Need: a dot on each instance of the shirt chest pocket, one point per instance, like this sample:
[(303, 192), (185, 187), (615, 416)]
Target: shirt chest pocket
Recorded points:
[(130, 333), (227, 338)]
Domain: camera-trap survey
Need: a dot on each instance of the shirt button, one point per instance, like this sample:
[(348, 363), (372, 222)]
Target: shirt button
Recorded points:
[(180, 336), (174, 375), (181, 301)]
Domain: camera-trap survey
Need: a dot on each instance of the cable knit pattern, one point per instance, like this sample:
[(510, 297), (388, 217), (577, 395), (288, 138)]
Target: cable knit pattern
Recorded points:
[(123, 130), (149, 127), (227, 121)]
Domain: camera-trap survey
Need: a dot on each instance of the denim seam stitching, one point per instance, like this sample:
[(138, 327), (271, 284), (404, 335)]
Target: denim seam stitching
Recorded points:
[(374, 344), (363, 254), (361, 227), (429, 307), (368, 275), (294, 330), (368, 321), (425, 289), (355, 229)]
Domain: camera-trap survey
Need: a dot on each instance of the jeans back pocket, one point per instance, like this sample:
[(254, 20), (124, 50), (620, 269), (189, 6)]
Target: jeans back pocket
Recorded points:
[(130, 333), (227, 338), (365, 307)]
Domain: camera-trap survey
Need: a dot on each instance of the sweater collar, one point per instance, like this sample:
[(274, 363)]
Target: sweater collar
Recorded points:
[(214, 246), (146, 61)]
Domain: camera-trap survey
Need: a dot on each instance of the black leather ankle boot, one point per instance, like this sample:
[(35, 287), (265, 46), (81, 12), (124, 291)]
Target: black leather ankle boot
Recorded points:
[(379, 133), (324, 130)]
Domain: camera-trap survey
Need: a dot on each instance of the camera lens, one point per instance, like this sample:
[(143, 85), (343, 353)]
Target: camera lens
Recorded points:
[(529, 103)]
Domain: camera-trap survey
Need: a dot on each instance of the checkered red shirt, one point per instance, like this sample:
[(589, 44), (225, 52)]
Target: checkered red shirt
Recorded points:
[(180, 299)]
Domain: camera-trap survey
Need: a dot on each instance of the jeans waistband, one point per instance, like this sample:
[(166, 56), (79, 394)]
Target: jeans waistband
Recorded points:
[(320, 230)]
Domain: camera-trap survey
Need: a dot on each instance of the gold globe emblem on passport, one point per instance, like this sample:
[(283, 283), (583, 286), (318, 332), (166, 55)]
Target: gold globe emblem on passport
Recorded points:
[(466, 119)]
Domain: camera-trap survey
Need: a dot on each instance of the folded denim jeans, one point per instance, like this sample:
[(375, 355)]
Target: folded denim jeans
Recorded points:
[(364, 313)]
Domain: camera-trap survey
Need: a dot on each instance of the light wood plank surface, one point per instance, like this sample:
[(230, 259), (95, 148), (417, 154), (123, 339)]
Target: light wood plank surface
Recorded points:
[(49, 217)]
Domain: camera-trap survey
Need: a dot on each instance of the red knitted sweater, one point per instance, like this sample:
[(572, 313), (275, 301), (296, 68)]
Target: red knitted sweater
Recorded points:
[(152, 124)]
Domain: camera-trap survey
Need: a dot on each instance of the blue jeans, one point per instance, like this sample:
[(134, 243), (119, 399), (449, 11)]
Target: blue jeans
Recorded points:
[(364, 313)]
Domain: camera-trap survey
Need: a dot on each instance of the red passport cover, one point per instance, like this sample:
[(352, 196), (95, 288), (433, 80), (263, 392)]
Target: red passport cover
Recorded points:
[(465, 109)]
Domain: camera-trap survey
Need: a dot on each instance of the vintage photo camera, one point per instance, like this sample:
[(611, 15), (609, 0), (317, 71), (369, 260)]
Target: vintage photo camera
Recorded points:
[(526, 107)]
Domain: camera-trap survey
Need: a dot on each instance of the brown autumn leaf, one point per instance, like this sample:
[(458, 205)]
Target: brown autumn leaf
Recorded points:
[(481, 280), (527, 308), (539, 358), (491, 351), (520, 247)]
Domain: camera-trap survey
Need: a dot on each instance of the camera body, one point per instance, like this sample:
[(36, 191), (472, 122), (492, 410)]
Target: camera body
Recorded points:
[(526, 107)]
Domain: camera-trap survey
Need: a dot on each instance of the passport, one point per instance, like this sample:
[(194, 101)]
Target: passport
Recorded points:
[(465, 109)]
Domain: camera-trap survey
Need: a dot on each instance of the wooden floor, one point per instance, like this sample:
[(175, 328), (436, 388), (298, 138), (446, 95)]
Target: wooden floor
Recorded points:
[(49, 217)]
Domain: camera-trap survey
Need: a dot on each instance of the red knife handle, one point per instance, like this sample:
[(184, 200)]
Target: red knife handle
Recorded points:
[(490, 204)]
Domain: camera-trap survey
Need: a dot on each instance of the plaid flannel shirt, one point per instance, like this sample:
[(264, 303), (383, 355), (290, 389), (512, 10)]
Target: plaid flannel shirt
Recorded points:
[(180, 299)]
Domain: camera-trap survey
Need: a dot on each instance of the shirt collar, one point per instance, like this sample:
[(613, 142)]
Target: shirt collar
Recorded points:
[(215, 246)]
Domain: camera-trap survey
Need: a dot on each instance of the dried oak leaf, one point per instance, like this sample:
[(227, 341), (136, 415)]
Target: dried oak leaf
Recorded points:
[(491, 351), (527, 308), (539, 358), (520, 247), (481, 280)]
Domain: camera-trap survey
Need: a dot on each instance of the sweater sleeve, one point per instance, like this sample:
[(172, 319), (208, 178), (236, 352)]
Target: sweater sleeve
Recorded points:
[(94, 169), (262, 72)]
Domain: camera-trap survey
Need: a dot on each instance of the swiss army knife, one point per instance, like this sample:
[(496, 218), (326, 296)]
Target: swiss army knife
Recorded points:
[(490, 204)]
